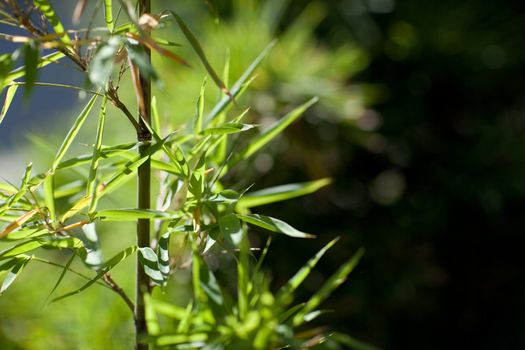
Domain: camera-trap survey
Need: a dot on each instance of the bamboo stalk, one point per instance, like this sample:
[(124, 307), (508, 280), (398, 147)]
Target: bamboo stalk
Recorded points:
[(144, 194)]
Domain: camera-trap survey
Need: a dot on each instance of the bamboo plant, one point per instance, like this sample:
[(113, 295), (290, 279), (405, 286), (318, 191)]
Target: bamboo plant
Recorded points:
[(196, 214)]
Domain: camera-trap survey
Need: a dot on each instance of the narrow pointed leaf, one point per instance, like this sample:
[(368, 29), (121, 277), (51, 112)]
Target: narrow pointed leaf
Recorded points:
[(42, 62), (132, 214), (328, 287), (280, 193), (197, 125), (73, 132), (49, 196), (118, 258), (262, 140), (200, 52), (101, 65), (91, 189), (140, 58), (273, 224), (237, 88), (164, 256), (285, 293), (9, 95), (18, 222), (62, 275), (150, 263), (15, 271), (50, 14)]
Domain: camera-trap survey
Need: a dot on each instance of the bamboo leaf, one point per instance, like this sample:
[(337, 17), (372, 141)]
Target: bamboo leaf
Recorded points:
[(280, 193), (261, 140), (274, 225), (285, 293), (44, 61), (11, 91), (164, 256), (194, 42), (102, 64), (93, 257), (20, 248), (21, 262), (6, 64), (118, 258), (197, 125), (62, 275), (108, 14), (328, 287), (150, 263), (140, 58), (48, 11), (91, 189), (239, 85), (133, 214), (73, 133), (231, 230), (49, 196)]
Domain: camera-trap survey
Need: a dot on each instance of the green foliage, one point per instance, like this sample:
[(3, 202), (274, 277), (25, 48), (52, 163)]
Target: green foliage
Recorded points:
[(199, 214)]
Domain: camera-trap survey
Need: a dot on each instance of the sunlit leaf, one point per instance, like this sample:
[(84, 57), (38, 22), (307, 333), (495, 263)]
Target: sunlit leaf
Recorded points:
[(19, 264), (239, 85), (150, 263), (265, 137), (274, 225), (118, 258), (285, 293), (280, 193), (164, 256), (73, 132), (328, 287), (11, 90), (133, 214), (194, 42), (231, 230), (197, 124)]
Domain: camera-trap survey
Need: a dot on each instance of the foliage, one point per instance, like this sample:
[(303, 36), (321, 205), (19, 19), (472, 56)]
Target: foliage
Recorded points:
[(197, 217)]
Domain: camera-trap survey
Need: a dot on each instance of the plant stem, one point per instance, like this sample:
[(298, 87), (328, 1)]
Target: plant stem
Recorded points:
[(144, 193)]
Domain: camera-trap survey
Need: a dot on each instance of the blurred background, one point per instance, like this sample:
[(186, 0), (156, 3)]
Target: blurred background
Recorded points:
[(420, 124)]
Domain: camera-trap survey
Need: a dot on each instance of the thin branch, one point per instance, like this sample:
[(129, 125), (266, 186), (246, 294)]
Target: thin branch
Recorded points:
[(117, 289)]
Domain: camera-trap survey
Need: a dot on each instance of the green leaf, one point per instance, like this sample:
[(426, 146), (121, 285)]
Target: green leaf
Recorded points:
[(133, 214), (93, 254), (285, 294), (231, 230), (11, 90), (228, 128), (156, 117), (123, 175), (328, 287), (102, 64), (168, 309), (31, 55), (140, 58), (21, 248), (62, 275), (280, 193), (200, 52), (150, 263), (49, 196), (274, 225), (6, 64), (107, 267), (351, 342), (239, 85), (164, 256), (73, 133), (42, 62), (197, 180), (91, 189), (50, 14), (19, 265), (197, 125), (262, 139), (108, 14)]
